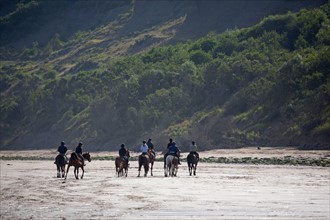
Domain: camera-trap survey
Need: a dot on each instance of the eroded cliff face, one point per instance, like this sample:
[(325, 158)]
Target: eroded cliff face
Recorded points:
[(39, 23)]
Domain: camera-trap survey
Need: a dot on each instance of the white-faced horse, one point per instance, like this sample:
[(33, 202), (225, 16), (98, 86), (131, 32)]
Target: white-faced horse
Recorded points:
[(171, 167)]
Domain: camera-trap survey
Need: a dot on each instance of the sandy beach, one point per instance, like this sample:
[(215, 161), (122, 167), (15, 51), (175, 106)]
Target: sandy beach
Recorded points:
[(30, 190)]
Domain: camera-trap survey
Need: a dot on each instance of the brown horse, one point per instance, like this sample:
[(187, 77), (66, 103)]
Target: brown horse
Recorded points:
[(144, 161), (121, 165), (77, 162), (60, 162), (152, 158), (192, 161)]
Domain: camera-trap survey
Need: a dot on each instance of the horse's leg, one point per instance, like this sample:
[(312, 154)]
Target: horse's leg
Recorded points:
[(145, 170), (67, 171), (120, 172), (175, 169), (76, 171), (165, 171), (195, 168), (63, 170), (58, 171), (170, 171), (151, 167), (83, 171), (139, 169)]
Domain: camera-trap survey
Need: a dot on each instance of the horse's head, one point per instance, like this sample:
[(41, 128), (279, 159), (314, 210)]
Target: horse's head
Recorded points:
[(127, 153), (87, 156)]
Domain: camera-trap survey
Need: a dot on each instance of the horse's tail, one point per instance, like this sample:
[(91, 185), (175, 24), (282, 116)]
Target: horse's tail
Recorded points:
[(169, 159), (188, 159), (60, 160), (144, 160), (119, 162), (140, 160), (192, 159)]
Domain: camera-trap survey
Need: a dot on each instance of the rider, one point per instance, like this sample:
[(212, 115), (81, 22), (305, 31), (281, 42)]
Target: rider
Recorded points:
[(193, 149), (174, 150), (170, 143), (62, 149), (151, 147), (79, 153), (123, 153), (144, 148)]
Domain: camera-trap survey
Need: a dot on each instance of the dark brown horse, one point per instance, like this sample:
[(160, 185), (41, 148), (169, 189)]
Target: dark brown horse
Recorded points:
[(77, 162), (152, 158), (121, 165), (192, 161), (60, 162), (144, 161)]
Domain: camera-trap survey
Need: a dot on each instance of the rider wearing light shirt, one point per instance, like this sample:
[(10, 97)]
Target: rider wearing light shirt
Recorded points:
[(144, 148), (193, 149)]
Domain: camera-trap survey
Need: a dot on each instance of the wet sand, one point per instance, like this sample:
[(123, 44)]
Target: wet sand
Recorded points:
[(30, 190)]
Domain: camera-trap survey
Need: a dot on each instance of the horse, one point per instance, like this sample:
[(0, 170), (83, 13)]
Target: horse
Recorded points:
[(192, 161), (171, 165), (144, 160), (152, 158), (60, 162), (121, 164), (77, 162)]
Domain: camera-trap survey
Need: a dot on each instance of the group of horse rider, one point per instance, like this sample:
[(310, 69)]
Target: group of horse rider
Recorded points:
[(146, 148), (62, 149)]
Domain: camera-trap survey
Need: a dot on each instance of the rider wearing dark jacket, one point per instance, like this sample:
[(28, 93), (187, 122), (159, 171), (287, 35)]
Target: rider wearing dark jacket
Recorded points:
[(62, 149), (79, 153), (174, 150), (151, 147), (123, 153)]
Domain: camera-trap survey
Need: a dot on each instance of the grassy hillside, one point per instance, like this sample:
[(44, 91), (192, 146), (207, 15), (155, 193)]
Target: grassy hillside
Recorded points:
[(267, 84)]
